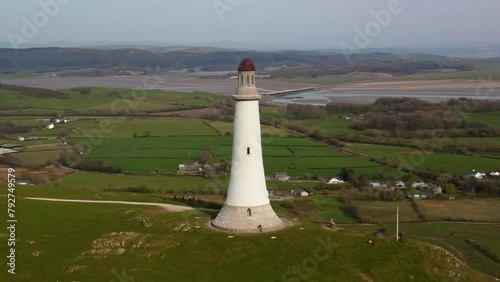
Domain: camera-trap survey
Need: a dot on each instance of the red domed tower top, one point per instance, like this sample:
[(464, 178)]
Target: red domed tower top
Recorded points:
[(246, 65)]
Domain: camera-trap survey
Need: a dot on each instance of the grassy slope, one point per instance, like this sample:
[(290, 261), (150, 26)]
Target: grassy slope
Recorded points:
[(315, 209), (200, 254), (77, 186)]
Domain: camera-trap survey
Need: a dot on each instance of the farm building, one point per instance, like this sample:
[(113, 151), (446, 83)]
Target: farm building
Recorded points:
[(400, 185), (378, 185), (335, 181), (437, 190), (194, 168), (281, 176), (419, 184)]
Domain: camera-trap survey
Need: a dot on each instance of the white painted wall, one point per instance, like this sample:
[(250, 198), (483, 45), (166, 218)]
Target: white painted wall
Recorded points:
[(247, 185)]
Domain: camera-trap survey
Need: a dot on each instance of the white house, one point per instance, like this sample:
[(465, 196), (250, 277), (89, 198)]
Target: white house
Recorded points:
[(50, 126), (437, 190), (419, 184), (335, 181), (495, 173), (400, 185), (281, 176), (479, 175)]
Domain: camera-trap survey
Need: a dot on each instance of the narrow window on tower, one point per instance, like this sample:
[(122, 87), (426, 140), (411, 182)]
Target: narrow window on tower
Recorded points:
[(241, 82), (253, 81), (248, 150), (248, 79)]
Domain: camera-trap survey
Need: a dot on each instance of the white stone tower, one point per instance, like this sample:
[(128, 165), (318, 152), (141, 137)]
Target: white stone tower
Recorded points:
[(247, 207)]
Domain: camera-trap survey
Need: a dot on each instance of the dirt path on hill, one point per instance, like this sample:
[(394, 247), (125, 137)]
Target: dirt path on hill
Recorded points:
[(169, 207)]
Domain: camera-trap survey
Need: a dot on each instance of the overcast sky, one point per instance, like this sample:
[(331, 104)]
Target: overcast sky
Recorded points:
[(283, 23)]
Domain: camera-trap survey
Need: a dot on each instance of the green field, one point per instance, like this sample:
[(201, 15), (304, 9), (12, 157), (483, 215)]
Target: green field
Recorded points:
[(119, 101), (113, 187), (423, 160), (336, 125), (491, 119), (170, 142), (123, 127), (465, 210), (385, 212), (266, 130), (108, 242), (166, 153), (42, 153)]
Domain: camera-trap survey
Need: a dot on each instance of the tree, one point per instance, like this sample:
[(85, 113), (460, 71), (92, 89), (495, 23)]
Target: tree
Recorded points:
[(208, 171), (443, 179), (206, 156), (450, 188), (224, 167), (85, 90), (409, 177)]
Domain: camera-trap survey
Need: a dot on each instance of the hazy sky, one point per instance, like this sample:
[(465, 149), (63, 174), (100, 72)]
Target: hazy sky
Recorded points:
[(284, 23)]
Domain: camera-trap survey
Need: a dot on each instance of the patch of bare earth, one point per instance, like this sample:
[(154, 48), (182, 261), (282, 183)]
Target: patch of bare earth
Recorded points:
[(118, 243), (73, 268), (365, 277), (114, 243), (455, 269), (43, 175)]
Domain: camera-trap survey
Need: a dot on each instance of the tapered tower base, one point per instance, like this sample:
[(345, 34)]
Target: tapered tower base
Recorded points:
[(247, 219)]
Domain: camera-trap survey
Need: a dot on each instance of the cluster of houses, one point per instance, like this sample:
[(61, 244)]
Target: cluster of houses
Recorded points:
[(190, 169), (481, 175), (51, 123), (32, 138), (418, 189), (418, 185)]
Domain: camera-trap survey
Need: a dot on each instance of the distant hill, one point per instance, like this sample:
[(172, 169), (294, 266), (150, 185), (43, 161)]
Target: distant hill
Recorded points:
[(146, 58)]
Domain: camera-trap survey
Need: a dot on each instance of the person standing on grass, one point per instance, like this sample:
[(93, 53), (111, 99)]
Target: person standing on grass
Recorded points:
[(401, 235), (332, 223)]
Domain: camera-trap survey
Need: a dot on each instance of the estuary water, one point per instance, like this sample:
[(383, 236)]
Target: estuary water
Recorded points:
[(323, 97)]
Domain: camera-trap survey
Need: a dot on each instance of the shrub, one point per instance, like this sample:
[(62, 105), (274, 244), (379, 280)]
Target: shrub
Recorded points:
[(85, 90), (288, 204)]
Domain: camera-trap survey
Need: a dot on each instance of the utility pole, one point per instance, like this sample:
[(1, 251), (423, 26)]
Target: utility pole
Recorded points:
[(397, 223)]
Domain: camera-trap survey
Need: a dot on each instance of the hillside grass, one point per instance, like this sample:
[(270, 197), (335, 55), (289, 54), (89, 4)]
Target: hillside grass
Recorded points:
[(181, 247)]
